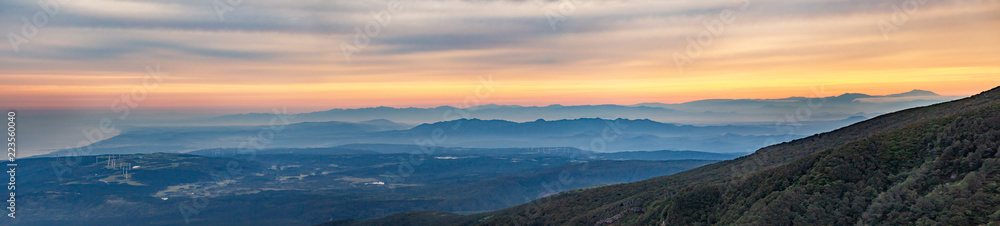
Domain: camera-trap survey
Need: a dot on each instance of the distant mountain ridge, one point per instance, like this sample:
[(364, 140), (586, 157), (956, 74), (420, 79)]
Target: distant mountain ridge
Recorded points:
[(737, 125), (702, 112), (568, 152), (711, 111), (914, 93), (616, 135)]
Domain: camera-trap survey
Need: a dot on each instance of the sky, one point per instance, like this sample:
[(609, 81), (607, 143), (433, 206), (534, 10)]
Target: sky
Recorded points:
[(250, 54)]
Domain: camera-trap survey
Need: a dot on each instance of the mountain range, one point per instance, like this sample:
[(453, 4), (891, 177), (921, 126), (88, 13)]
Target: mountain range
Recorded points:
[(64, 131), (733, 125), (713, 111), (938, 164), (612, 135)]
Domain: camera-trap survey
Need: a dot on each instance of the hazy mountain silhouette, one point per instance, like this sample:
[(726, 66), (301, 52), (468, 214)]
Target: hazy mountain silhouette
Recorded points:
[(615, 135), (713, 111)]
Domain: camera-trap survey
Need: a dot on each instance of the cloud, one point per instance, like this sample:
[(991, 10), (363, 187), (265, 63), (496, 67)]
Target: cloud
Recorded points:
[(775, 46)]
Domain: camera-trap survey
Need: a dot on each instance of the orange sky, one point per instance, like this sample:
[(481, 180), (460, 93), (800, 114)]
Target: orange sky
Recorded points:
[(268, 55)]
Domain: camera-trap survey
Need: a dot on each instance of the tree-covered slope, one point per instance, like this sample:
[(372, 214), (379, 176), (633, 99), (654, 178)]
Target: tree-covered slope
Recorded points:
[(939, 171)]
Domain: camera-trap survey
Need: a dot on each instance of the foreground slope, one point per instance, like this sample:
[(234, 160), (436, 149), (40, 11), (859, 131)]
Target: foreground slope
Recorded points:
[(934, 164)]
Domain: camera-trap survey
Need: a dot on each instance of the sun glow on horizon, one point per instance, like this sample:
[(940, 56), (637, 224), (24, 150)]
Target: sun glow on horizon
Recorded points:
[(604, 53)]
